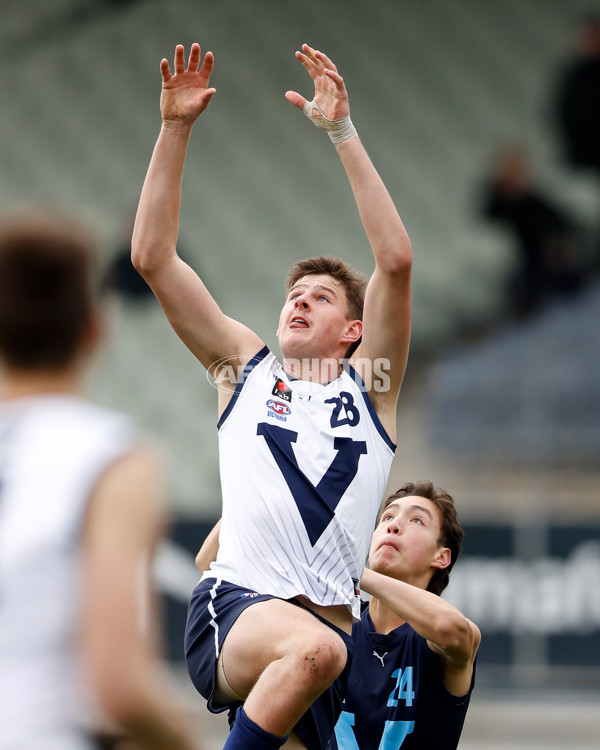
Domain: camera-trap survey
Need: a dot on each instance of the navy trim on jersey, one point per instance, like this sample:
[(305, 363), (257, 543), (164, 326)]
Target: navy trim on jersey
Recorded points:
[(369, 404), (316, 504), (251, 364)]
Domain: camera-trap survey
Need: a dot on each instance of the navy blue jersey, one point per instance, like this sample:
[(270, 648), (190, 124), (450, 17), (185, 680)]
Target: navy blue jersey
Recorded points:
[(396, 697)]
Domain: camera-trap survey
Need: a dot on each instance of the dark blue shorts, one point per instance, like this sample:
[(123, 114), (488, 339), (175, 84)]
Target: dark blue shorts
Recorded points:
[(214, 607)]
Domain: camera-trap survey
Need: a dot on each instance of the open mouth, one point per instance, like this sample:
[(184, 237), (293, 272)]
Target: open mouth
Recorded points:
[(298, 322)]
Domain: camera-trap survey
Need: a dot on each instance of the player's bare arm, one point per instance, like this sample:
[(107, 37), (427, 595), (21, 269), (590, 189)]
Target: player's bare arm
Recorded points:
[(386, 322), (190, 308), (125, 518), (448, 632)]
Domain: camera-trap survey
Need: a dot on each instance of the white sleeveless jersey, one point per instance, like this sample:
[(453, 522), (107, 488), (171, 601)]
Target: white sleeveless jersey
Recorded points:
[(53, 449), (303, 470)]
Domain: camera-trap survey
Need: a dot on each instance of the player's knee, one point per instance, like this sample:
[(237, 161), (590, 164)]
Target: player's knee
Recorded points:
[(322, 660)]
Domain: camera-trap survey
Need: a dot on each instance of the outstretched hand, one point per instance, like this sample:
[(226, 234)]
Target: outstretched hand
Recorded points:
[(330, 91), (186, 94)]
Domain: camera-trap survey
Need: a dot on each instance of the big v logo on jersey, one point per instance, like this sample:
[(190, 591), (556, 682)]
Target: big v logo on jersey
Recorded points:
[(316, 504)]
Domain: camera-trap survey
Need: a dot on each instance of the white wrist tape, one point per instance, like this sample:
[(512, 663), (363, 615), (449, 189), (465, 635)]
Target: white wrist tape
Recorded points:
[(338, 130)]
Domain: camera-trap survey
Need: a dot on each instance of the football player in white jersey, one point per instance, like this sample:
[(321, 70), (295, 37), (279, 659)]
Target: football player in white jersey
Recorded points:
[(81, 508), (306, 445)]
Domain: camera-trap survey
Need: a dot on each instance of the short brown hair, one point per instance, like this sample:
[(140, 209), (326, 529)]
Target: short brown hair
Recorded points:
[(46, 294), (451, 532), (353, 282)]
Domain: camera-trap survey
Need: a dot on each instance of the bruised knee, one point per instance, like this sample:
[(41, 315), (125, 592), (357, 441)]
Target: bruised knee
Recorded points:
[(321, 660)]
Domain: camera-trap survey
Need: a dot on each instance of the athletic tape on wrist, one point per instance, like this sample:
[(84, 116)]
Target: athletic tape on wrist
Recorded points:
[(338, 130)]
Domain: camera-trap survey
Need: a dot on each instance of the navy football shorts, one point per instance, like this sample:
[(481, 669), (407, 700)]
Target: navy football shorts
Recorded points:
[(214, 607)]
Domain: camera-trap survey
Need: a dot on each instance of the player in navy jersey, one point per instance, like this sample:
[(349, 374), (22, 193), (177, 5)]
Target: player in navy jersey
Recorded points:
[(305, 444), (81, 509), (414, 653)]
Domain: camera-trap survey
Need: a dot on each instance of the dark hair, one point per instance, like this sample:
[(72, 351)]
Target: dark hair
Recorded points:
[(46, 295), (451, 532), (353, 282)]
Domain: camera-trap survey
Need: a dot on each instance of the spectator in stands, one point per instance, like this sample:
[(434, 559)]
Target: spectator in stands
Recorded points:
[(577, 99), (121, 277), (549, 244)]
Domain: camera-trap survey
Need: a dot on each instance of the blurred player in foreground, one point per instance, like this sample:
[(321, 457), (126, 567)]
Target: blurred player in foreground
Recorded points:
[(81, 507), (413, 668)]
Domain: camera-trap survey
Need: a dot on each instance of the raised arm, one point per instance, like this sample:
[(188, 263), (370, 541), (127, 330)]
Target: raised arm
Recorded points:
[(386, 323), (190, 308), (448, 632)]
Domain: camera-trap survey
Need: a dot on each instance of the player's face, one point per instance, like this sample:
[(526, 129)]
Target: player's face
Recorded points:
[(314, 319), (405, 542)]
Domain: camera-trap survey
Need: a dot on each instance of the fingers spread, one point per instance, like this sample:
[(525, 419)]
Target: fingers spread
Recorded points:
[(179, 59), (310, 55), (296, 99), (165, 71), (317, 63), (307, 63), (336, 78), (194, 58), (208, 95), (309, 51), (208, 63), (325, 60)]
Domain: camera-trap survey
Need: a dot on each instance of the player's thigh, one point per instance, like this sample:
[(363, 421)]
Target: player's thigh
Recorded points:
[(267, 631)]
